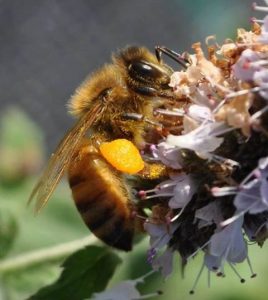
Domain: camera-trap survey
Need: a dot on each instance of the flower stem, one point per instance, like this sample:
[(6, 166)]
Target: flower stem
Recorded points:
[(44, 255)]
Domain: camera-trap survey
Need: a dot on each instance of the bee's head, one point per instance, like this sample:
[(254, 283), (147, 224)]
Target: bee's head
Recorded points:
[(141, 67)]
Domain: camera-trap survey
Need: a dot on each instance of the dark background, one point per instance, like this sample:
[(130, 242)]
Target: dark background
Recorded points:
[(48, 47)]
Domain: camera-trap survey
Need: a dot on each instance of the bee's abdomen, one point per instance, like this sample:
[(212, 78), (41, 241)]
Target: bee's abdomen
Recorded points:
[(101, 198)]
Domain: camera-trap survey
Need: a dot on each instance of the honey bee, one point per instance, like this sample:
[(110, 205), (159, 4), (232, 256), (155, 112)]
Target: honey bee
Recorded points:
[(133, 84)]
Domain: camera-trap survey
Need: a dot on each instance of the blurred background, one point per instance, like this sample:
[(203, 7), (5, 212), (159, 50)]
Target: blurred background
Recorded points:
[(47, 49)]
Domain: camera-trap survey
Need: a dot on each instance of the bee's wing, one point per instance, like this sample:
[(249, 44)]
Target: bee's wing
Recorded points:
[(61, 158)]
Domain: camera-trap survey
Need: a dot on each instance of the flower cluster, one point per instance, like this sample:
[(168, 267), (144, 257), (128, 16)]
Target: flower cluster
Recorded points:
[(214, 144)]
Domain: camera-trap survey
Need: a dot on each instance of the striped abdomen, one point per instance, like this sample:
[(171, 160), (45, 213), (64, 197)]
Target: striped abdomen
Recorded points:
[(101, 198)]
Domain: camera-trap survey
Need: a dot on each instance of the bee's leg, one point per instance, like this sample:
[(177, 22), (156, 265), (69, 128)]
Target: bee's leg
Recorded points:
[(138, 124), (132, 130), (172, 54), (152, 171), (152, 92), (140, 117)]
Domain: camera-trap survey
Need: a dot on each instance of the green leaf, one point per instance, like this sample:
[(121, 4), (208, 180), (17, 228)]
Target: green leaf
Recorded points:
[(20, 284), (85, 272), (8, 232)]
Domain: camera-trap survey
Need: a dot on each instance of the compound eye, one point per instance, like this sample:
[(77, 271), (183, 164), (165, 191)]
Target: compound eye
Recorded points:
[(145, 72)]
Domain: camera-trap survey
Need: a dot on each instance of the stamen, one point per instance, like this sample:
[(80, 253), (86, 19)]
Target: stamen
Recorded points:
[(197, 279), (144, 194), (157, 188), (259, 8), (166, 185), (200, 248), (221, 272), (224, 191), (174, 112), (134, 214), (232, 94), (178, 215), (258, 63), (141, 194), (158, 195), (241, 93), (242, 280), (217, 85), (253, 274), (226, 161), (232, 219), (240, 214), (146, 275), (254, 20), (248, 177), (258, 114), (218, 133), (260, 228)]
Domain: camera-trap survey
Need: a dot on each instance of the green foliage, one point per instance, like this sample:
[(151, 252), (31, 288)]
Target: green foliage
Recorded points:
[(84, 273), (21, 147), (8, 231), (20, 284)]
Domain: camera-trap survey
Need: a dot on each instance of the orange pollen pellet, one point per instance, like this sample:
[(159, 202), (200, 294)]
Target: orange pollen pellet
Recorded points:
[(122, 155)]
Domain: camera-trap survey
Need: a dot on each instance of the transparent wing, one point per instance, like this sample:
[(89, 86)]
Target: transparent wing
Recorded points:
[(61, 158)]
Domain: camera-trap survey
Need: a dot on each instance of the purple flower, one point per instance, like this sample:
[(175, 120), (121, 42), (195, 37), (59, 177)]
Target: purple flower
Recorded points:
[(183, 191), (168, 155), (209, 214), (249, 198), (159, 234), (261, 79), (213, 263), (253, 196), (164, 262), (205, 95), (202, 140), (229, 243), (199, 113), (243, 69), (264, 31)]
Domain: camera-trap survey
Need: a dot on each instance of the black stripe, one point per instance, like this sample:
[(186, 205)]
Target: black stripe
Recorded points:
[(84, 205), (125, 240), (116, 231), (104, 215), (75, 180)]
